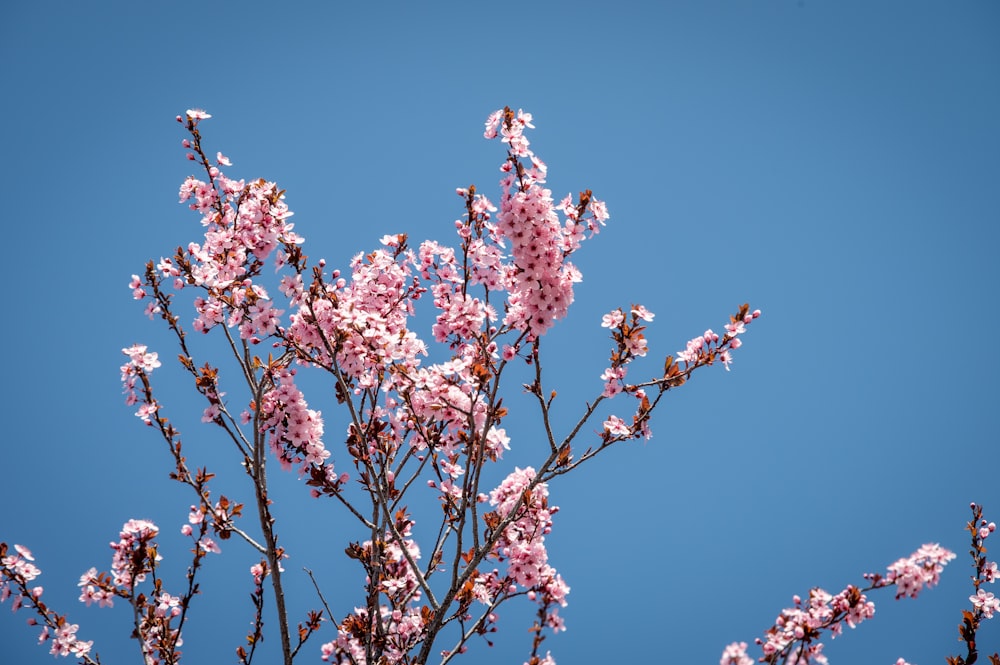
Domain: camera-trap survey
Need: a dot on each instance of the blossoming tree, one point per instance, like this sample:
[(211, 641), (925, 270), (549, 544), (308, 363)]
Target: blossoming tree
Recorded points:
[(417, 430)]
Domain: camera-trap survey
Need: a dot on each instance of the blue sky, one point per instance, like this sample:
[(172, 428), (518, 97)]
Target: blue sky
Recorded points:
[(834, 164)]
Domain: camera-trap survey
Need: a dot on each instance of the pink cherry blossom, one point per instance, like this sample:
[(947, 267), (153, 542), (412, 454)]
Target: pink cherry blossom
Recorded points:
[(643, 313), (612, 319), (616, 427), (986, 603), (167, 605), (736, 654), (920, 570)]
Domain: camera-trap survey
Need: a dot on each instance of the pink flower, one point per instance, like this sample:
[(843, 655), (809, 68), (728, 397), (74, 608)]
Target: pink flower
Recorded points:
[(146, 411), (612, 319), (131, 561), (642, 313), (210, 545), (197, 114), (986, 603), (168, 604), (136, 285), (921, 569), (600, 212), (140, 359), (612, 377), (736, 654), (616, 427), (94, 594), (65, 643), (211, 414), (491, 124)]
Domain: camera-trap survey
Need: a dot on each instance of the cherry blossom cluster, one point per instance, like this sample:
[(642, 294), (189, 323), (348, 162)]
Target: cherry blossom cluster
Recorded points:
[(630, 344), (400, 625), (221, 514), (134, 554), (920, 570), (360, 327), (295, 430), (20, 569), (244, 224), (708, 347), (17, 571), (403, 629), (541, 288), (134, 560), (986, 603), (804, 622), (141, 363), (794, 637), (523, 504), (736, 654)]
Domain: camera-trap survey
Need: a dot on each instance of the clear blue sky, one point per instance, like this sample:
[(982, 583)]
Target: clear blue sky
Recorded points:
[(836, 164)]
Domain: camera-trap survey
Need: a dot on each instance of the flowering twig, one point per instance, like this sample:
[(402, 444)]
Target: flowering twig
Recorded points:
[(984, 604)]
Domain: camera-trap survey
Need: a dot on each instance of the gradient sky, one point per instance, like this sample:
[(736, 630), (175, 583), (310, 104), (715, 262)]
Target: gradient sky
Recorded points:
[(835, 164)]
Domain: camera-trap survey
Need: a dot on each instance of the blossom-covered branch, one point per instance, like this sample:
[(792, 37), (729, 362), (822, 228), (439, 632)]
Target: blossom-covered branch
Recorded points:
[(794, 639)]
